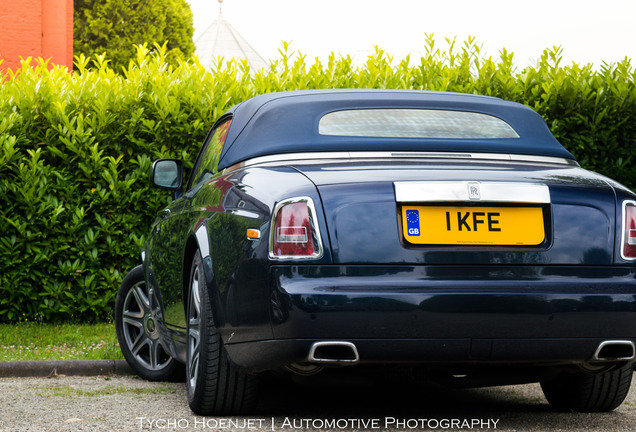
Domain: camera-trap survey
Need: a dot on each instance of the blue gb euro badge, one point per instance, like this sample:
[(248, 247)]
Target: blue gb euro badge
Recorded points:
[(413, 222)]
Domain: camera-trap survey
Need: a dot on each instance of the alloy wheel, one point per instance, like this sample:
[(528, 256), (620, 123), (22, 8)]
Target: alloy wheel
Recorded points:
[(194, 330), (140, 330)]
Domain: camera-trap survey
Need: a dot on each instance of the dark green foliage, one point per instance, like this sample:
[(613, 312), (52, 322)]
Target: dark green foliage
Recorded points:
[(115, 26), (76, 149), (75, 156)]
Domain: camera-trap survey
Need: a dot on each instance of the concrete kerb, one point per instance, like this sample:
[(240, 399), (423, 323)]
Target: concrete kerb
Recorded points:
[(51, 368)]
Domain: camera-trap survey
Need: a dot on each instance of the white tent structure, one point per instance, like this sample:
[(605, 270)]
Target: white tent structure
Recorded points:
[(220, 39)]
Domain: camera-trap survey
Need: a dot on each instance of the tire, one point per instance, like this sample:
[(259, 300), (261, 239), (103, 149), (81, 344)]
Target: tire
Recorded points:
[(588, 393), (138, 332), (215, 386)]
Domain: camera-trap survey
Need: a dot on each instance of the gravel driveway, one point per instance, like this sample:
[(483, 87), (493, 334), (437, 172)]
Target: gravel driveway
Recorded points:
[(131, 404)]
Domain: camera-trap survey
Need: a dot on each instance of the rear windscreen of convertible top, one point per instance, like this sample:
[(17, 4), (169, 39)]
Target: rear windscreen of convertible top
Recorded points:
[(415, 123)]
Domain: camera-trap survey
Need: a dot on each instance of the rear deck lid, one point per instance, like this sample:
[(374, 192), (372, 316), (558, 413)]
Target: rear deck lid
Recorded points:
[(465, 213)]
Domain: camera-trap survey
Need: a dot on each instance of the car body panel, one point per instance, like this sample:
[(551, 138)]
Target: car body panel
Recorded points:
[(214, 220)]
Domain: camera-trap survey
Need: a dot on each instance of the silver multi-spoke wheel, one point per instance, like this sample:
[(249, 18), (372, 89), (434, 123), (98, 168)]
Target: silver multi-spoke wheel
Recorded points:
[(194, 330), (215, 386), (138, 330)]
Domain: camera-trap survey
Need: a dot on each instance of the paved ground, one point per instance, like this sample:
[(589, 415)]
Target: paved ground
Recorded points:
[(126, 403)]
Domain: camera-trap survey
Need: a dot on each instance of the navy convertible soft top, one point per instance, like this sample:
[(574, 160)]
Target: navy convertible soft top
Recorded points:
[(288, 122)]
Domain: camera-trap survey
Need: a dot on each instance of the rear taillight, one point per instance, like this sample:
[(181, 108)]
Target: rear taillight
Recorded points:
[(294, 232), (629, 230)]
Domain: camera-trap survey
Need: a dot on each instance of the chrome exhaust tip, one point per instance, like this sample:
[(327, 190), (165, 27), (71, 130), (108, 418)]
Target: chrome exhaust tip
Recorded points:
[(615, 350), (333, 352)]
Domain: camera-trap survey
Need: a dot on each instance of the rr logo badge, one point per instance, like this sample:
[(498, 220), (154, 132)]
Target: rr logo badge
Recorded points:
[(473, 191)]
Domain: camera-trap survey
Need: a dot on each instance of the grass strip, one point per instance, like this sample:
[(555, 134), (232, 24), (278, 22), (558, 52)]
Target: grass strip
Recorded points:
[(71, 392), (37, 341)]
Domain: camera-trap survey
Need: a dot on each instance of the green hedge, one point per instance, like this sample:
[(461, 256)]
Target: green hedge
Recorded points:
[(76, 148)]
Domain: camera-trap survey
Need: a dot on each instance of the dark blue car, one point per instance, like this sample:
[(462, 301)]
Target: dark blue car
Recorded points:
[(446, 233)]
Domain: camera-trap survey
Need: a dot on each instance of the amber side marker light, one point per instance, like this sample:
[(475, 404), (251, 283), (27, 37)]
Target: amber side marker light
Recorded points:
[(253, 234), (629, 230)]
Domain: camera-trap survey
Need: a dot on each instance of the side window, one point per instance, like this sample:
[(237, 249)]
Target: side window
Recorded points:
[(209, 157)]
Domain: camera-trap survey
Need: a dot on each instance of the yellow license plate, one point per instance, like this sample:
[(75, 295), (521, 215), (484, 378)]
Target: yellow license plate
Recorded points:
[(449, 225)]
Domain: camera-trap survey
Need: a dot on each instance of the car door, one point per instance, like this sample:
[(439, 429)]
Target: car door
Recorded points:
[(165, 249)]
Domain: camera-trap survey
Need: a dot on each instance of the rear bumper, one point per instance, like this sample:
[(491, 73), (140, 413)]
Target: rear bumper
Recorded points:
[(446, 314)]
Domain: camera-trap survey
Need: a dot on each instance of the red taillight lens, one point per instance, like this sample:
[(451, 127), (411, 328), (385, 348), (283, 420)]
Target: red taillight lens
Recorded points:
[(293, 233), (629, 230)]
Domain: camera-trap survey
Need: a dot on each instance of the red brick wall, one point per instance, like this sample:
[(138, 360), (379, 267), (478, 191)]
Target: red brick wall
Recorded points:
[(36, 28)]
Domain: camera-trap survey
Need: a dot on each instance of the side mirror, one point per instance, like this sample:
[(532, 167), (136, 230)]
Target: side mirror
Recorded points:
[(167, 174)]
